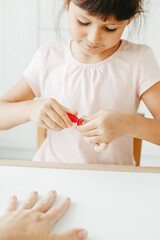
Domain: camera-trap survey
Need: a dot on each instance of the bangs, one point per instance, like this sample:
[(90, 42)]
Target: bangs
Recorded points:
[(120, 9)]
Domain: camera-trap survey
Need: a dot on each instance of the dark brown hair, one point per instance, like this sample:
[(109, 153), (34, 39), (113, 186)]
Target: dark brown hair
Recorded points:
[(120, 9)]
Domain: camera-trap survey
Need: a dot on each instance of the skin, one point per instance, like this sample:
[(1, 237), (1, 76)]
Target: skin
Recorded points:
[(35, 220), (94, 34), (106, 126), (18, 107), (90, 44)]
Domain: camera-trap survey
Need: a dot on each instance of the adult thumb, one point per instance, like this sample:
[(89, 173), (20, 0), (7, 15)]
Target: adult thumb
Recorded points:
[(75, 234)]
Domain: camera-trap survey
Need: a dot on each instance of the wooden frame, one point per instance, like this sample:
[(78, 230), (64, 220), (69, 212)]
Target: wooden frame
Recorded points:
[(42, 133), (94, 167), (41, 136)]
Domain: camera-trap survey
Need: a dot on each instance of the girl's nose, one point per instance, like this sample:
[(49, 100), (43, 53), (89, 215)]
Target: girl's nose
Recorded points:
[(94, 36)]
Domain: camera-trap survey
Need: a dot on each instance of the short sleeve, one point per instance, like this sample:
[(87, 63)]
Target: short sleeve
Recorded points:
[(34, 72), (148, 68)]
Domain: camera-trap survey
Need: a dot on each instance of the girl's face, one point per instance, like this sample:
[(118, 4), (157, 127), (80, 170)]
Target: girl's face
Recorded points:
[(91, 34)]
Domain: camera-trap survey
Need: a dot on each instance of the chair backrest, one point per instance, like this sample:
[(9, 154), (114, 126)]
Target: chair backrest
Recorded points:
[(137, 143), (137, 146), (41, 136)]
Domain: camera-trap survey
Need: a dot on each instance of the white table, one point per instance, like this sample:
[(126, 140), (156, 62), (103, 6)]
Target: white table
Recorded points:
[(111, 205)]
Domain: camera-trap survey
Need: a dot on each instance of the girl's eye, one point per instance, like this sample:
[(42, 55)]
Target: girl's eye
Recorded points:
[(107, 29), (82, 23), (110, 30)]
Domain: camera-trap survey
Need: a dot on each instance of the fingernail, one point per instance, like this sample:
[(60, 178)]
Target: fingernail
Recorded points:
[(34, 193), (82, 234), (68, 200), (13, 197), (52, 192)]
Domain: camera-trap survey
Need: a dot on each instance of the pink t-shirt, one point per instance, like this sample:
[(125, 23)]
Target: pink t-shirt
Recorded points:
[(115, 83)]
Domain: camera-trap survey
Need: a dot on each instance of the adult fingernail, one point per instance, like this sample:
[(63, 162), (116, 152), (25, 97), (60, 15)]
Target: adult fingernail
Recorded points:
[(82, 234), (34, 193), (13, 197), (52, 192)]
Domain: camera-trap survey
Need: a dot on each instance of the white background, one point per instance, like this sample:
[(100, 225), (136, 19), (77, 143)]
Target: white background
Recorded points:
[(110, 205), (27, 24)]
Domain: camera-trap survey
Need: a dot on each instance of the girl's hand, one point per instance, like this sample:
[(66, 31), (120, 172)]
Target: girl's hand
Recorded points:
[(101, 147), (49, 114), (104, 127), (35, 220)]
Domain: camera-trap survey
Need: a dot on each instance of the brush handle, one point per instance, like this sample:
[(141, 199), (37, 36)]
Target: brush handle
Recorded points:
[(73, 118)]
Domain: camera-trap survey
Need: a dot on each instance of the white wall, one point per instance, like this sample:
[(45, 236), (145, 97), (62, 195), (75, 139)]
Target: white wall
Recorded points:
[(18, 42), (27, 24)]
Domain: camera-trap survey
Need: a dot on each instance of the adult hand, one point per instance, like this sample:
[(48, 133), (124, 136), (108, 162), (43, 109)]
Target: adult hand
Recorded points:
[(34, 221), (49, 114), (104, 127)]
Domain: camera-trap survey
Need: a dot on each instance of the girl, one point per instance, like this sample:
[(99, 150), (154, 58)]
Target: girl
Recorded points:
[(96, 74)]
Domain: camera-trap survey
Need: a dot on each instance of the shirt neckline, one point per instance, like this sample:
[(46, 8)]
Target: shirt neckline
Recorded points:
[(99, 63)]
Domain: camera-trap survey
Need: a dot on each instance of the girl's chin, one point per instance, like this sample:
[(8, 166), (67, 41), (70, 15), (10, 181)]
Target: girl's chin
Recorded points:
[(92, 51)]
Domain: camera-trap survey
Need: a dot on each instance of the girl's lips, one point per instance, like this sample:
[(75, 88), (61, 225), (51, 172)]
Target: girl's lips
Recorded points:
[(92, 47)]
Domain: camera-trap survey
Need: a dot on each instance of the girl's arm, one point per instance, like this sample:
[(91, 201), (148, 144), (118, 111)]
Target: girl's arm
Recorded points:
[(14, 105), (145, 128), (108, 125), (18, 107)]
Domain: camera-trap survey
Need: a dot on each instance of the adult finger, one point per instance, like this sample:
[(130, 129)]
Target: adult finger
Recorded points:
[(75, 234), (45, 204), (54, 214), (30, 201), (102, 147), (12, 204)]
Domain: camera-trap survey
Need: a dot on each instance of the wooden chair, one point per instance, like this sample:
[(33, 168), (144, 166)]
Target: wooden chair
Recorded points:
[(42, 133)]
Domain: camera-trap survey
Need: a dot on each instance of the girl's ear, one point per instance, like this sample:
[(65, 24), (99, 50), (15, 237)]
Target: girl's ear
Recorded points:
[(66, 4)]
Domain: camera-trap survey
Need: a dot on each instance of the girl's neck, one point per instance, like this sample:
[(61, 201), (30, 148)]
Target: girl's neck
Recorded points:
[(80, 56)]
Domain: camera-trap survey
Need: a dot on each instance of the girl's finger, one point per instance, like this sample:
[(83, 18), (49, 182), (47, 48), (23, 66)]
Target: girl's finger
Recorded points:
[(12, 204), (55, 117), (91, 117), (43, 125), (30, 201), (58, 211), (91, 133), (89, 126), (62, 114), (67, 110), (52, 125), (102, 147), (75, 234), (94, 140), (45, 204)]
